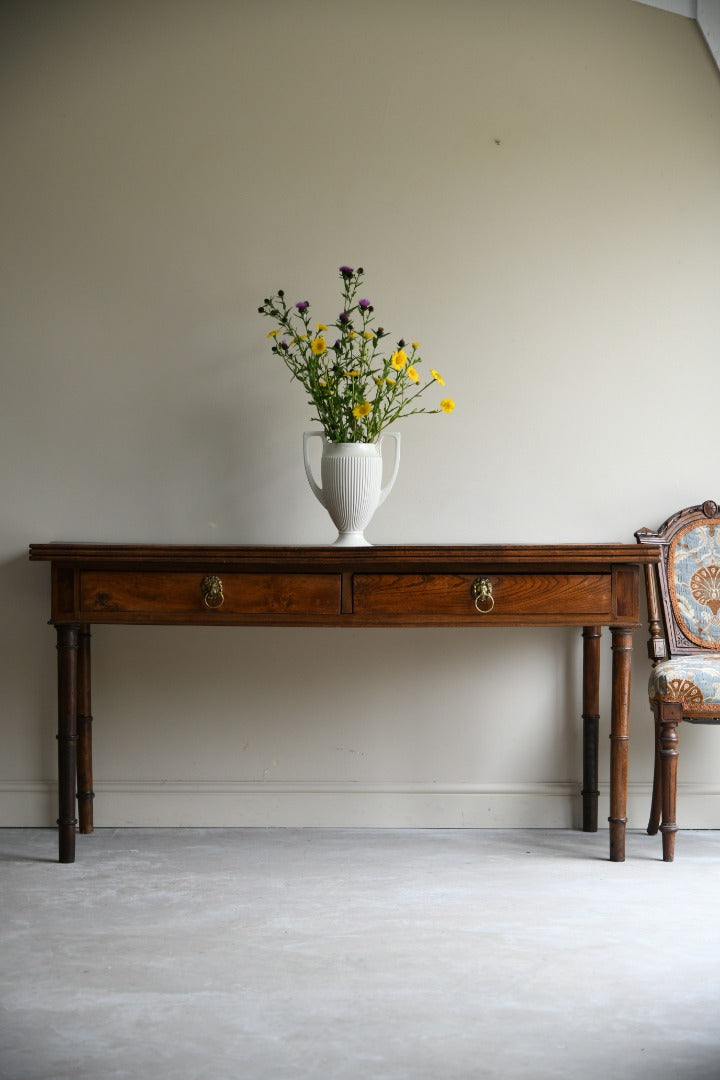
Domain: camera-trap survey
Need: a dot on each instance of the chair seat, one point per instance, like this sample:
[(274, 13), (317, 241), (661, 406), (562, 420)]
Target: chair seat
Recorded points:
[(693, 680)]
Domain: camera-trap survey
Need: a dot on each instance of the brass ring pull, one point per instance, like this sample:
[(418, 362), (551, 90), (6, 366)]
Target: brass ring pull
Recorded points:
[(481, 590), (212, 591)]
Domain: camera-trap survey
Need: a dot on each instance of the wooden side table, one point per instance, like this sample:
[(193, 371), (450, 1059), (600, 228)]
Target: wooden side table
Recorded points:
[(584, 585)]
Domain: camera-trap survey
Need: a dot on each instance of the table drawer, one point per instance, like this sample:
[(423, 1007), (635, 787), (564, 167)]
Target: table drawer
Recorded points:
[(195, 593), (451, 595)]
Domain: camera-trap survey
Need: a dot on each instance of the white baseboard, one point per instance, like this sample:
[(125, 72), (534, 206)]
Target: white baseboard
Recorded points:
[(32, 804)]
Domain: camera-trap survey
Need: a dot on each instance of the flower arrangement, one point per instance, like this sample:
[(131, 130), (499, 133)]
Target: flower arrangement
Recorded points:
[(356, 387)]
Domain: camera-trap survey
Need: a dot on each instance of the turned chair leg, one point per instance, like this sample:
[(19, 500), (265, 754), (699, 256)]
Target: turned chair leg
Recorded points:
[(669, 715), (656, 803)]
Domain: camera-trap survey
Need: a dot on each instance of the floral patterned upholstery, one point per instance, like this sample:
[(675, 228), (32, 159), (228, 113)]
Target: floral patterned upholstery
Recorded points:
[(693, 577), (693, 680), (694, 583)]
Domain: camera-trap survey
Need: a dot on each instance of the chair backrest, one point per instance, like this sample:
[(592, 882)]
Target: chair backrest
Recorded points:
[(684, 589)]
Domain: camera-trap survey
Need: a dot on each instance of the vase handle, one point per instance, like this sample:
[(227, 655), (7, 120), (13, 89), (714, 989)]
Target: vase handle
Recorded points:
[(318, 491), (388, 487)]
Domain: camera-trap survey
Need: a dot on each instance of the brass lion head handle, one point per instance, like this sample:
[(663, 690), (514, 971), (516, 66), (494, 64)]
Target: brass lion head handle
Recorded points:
[(212, 591), (481, 592)]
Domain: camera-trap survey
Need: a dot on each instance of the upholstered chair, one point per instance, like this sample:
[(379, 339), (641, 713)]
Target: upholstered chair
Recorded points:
[(683, 594)]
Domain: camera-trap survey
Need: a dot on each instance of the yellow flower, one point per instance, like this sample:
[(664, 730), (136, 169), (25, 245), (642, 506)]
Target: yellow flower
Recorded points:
[(318, 345), (367, 334), (399, 359), (447, 404), (362, 410), (297, 340), (320, 326), (437, 376), (352, 334), (412, 374), (415, 344), (390, 382), (378, 382), (352, 374), (274, 333)]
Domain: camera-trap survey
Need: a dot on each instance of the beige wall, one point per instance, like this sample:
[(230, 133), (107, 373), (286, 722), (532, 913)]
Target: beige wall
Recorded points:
[(532, 188)]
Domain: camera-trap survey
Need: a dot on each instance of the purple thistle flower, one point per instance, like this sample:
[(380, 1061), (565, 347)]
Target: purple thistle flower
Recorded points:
[(344, 317), (302, 305), (364, 304), (347, 271)]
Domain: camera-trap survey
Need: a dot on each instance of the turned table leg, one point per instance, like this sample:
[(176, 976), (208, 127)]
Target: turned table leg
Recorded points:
[(619, 739), (85, 793), (67, 650), (591, 726)]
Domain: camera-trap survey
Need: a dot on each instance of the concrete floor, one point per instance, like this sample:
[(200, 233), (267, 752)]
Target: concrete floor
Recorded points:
[(341, 954)]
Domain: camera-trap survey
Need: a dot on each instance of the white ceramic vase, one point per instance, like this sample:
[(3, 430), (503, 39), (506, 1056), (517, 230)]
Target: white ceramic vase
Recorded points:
[(351, 483)]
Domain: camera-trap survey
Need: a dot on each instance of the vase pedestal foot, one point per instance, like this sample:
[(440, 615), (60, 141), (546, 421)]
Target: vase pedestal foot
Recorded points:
[(351, 539)]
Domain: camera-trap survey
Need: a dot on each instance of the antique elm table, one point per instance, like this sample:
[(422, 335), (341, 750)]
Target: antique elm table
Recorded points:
[(584, 585)]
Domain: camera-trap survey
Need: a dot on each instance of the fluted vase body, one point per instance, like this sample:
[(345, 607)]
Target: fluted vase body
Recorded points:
[(351, 487)]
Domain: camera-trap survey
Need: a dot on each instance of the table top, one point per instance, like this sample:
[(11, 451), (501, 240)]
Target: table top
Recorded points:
[(435, 555)]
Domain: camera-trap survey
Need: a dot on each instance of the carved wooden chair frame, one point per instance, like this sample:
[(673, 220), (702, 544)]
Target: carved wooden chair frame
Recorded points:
[(671, 639)]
